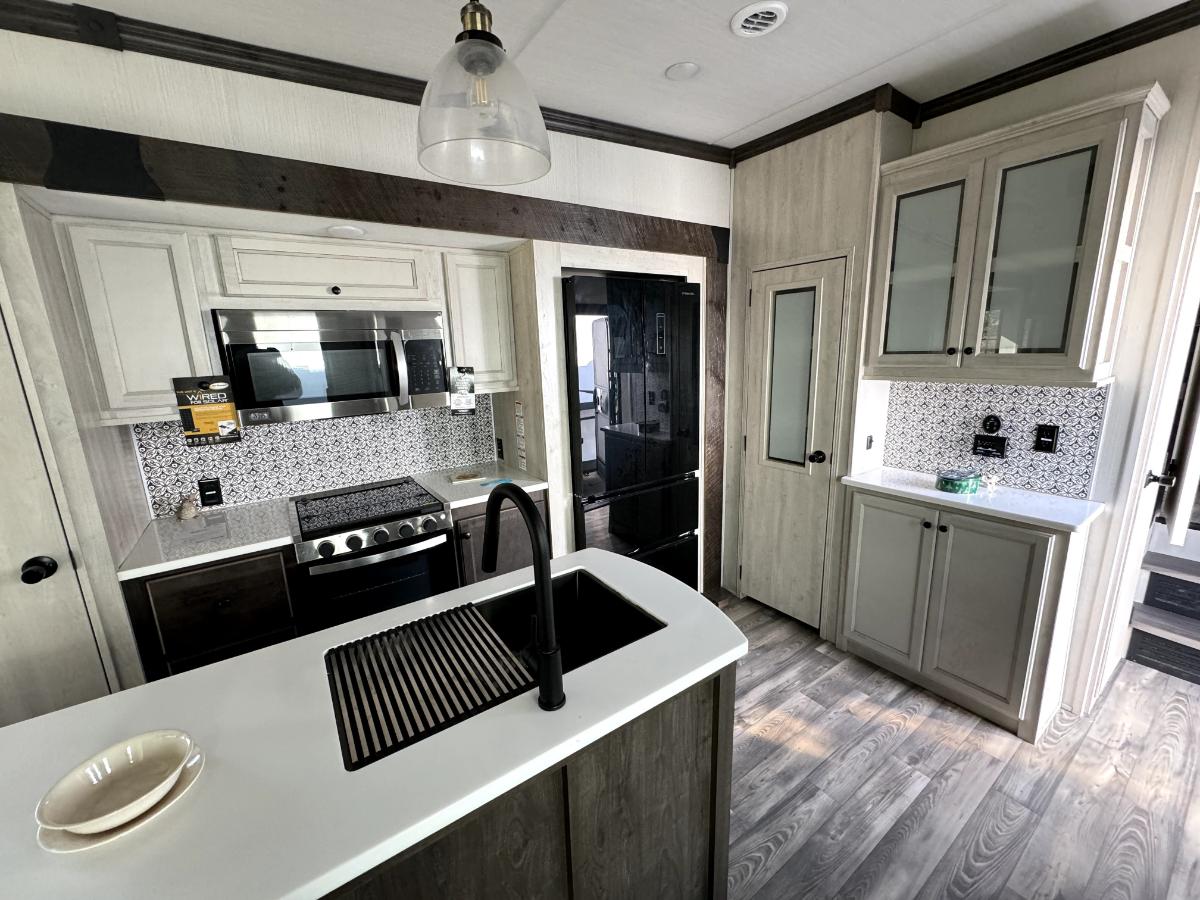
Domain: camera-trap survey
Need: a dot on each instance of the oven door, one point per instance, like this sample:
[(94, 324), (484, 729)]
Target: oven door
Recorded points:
[(327, 593)]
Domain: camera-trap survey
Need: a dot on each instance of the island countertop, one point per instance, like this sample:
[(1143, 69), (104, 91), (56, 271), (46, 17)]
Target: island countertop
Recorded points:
[(275, 814)]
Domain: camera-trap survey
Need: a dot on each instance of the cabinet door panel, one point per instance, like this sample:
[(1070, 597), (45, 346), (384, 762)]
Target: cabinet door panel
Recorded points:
[(513, 552), (1040, 237), (142, 313), (988, 581), (927, 220), (887, 590), (481, 319), (332, 270)]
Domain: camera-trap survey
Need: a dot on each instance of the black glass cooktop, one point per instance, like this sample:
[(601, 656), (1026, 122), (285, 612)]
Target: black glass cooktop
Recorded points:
[(361, 507)]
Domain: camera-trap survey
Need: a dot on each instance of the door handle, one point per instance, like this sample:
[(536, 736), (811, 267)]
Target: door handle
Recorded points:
[(817, 456), (39, 567)]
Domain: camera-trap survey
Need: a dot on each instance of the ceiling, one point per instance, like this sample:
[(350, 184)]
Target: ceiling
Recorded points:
[(605, 58)]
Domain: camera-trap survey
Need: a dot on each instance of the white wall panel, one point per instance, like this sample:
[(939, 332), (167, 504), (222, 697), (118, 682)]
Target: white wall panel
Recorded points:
[(133, 92)]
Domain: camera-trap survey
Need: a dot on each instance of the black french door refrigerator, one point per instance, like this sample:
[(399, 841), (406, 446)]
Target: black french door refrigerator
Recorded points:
[(633, 385)]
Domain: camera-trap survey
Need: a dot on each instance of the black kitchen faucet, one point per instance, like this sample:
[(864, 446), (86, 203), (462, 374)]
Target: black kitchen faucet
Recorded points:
[(549, 656)]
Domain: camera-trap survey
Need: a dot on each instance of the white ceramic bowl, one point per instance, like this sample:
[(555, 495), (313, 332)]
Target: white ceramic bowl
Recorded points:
[(116, 785)]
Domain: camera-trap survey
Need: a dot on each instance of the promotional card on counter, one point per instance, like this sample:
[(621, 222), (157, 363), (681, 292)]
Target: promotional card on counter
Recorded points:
[(206, 410)]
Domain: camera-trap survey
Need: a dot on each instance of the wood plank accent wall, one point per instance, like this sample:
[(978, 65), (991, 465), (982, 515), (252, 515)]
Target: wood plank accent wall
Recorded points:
[(716, 302)]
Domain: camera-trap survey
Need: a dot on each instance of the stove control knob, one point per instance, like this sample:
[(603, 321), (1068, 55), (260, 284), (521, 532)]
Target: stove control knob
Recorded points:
[(407, 531), (381, 536), (428, 525), (325, 549), (354, 542)]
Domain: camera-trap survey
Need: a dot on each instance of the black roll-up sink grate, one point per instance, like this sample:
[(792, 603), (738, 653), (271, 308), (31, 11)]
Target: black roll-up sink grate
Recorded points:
[(396, 687)]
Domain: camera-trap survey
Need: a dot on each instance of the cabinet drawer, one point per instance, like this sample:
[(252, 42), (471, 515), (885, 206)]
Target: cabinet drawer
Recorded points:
[(265, 267), (202, 610)]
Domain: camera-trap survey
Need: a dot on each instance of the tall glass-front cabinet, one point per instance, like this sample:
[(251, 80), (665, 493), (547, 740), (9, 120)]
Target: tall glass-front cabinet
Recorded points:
[(1005, 258)]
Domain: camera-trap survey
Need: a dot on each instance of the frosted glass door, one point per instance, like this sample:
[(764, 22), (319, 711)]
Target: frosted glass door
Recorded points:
[(920, 292), (789, 390), (1037, 248)]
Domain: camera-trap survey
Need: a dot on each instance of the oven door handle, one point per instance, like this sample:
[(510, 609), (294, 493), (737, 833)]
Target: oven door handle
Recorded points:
[(401, 370), (379, 557)]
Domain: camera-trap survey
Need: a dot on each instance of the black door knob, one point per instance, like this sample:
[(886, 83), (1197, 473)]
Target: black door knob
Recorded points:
[(39, 567), (950, 351), (967, 351), (926, 524), (943, 528), (335, 290), (817, 456)]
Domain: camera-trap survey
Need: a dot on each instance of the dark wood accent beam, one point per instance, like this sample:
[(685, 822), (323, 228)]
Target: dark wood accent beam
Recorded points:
[(1143, 31), (84, 24), (71, 157), (716, 276)]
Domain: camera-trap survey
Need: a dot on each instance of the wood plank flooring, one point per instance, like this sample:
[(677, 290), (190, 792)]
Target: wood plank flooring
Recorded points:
[(849, 782)]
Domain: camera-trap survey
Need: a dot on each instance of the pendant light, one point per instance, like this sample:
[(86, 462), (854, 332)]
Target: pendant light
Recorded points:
[(479, 122)]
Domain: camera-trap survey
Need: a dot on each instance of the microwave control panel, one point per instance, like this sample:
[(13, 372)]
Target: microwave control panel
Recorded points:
[(426, 367)]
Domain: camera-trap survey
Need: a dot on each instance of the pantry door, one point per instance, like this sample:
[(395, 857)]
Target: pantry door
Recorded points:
[(48, 653), (793, 344)]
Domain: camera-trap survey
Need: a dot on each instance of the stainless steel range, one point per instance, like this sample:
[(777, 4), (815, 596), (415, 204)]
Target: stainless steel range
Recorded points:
[(366, 549), (342, 523)]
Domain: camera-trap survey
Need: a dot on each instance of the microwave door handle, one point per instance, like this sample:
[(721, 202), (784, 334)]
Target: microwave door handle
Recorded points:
[(401, 371)]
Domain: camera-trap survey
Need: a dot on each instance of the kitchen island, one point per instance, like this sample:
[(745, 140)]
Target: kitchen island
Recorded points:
[(627, 784)]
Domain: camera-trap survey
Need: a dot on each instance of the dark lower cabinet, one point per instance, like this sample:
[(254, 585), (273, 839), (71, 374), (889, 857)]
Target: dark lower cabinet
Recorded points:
[(514, 550), (208, 613), (642, 813)]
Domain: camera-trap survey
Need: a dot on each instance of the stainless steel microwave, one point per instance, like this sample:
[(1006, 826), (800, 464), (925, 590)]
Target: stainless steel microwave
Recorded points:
[(289, 366)]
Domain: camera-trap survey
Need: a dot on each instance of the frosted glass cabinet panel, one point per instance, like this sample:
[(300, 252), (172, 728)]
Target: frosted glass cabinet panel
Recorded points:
[(790, 387), (921, 283), (1000, 258), (1038, 246)]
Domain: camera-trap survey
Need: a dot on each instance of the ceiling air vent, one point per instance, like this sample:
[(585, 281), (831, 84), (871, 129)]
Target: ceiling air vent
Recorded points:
[(757, 19)]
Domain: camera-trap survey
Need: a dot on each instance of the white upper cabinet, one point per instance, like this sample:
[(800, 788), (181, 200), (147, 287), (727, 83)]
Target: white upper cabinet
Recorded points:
[(479, 301), (1005, 258), (140, 309), (316, 269)]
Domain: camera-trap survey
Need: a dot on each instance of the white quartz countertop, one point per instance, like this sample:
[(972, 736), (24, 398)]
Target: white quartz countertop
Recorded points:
[(168, 544), (1028, 507), (468, 493), (214, 535), (275, 814)]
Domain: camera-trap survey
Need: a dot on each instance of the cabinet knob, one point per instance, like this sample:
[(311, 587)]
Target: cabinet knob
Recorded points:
[(943, 528), (967, 351), (466, 535), (926, 524), (34, 570), (335, 290), (950, 351)]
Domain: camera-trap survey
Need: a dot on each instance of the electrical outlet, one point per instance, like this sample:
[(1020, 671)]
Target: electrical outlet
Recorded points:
[(992, 445), (1045, 439), (870, 441), (499, 448), (210, 491)]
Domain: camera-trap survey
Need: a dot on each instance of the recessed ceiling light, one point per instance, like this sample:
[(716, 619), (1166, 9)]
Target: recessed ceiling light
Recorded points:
[(345, 231), (682, 71), (758, 19)]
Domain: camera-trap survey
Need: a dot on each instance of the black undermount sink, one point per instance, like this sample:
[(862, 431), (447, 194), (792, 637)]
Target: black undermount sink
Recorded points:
[(592, 620)]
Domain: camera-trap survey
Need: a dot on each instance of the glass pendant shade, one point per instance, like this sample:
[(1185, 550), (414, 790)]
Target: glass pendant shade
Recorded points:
[(479, 122)]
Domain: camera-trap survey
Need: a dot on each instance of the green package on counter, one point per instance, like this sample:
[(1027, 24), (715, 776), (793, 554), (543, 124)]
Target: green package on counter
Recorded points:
[(958, 481)]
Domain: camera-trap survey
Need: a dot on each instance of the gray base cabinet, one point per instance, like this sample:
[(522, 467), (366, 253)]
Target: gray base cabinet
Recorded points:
[(976, 609), (643, 812), (514, 549)]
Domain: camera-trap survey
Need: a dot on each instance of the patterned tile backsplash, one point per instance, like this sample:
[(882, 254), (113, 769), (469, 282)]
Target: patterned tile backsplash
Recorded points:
[(931, 426), (300, 457)]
